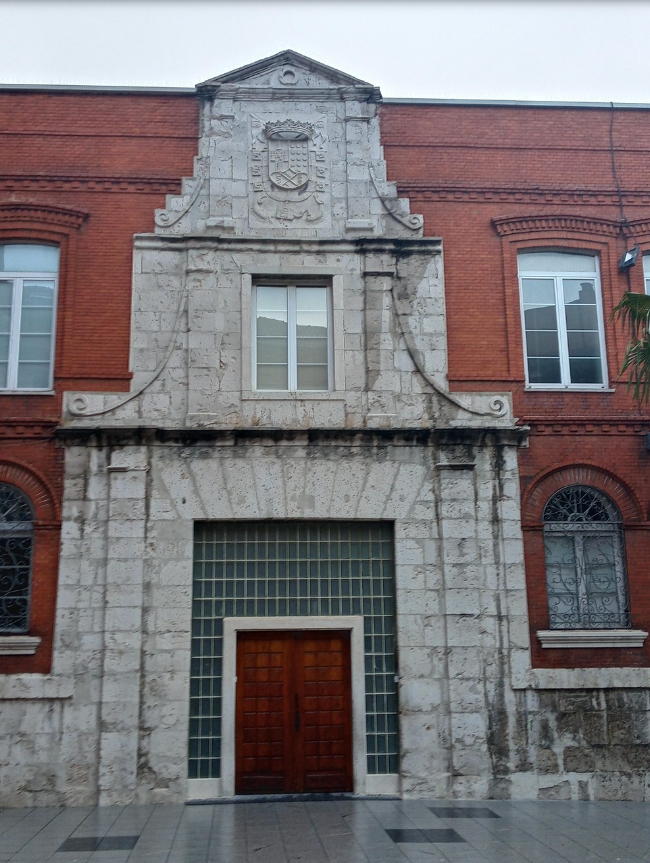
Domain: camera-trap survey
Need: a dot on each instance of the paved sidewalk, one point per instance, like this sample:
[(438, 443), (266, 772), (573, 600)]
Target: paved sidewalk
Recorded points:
[(333, 831)]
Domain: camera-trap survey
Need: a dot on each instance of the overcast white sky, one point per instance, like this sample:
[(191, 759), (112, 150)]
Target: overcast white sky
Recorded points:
[(576, 50)]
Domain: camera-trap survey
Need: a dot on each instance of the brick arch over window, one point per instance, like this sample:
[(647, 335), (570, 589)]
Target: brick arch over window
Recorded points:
[(36, 488), (37, 222), (552, 480), (61, 220)]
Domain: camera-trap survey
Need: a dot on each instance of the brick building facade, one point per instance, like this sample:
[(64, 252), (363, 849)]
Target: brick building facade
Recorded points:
[(277, 427)]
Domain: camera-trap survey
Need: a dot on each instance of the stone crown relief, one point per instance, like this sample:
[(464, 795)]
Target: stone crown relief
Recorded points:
[(316, 168)]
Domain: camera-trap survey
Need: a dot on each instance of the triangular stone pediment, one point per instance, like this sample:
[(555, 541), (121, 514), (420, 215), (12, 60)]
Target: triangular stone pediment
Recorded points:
[(288, 71)]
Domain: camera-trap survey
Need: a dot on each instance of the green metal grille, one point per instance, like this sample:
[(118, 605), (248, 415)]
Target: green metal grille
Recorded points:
[(272, 569)]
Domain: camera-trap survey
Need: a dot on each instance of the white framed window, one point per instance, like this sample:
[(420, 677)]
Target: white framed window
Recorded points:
[(646, 273), (292, 336), (562, 319), (28, 286)]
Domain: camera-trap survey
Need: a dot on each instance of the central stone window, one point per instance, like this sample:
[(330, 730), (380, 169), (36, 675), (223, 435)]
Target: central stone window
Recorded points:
[(292, 336)]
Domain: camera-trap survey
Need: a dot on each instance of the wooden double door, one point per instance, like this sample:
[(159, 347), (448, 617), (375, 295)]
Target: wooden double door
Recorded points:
[(293, 712)]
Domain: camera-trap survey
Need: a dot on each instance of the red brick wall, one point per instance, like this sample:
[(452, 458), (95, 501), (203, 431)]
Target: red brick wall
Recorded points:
[(111, 158), (85, 171), (465, 166)]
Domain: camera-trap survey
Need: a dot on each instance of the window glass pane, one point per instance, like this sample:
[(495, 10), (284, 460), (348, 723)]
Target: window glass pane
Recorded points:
[(5, 320), (34, 320), (538, 292), (312, 350), (583, 344), (311, 299), (271, 299), (561, 580), (585, 371), (39, 294), (34, 348), (601, 579), (312, 377), (311, 324), (544, 371), (27, 258), (6, 291), (272, 377), (579, 292), (15, 570), (542, 343), (581, 318), (272, 351), (272, 324), (34, 375), (555, 262)]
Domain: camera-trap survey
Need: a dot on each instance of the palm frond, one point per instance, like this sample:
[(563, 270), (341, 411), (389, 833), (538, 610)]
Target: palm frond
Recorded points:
[(634, 312), (637, 362)]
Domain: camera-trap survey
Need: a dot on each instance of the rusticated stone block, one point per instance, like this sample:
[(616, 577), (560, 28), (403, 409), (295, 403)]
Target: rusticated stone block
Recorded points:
[(561, 791), (578, 760), (546, 761)]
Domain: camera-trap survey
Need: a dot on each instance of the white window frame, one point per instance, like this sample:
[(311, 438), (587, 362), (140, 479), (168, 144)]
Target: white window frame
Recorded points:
[(646, 272), (557, 277), (291, 286), (18, 279)]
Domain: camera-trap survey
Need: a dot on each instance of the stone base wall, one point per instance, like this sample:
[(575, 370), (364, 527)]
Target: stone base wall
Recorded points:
[(110, 724), (589, 744)]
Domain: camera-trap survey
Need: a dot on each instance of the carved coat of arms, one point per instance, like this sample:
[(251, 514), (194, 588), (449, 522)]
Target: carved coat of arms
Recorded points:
[(288, 181)]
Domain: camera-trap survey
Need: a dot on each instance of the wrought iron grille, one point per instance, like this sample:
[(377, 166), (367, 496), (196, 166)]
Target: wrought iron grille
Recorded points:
[(585, 561), (16, 540)]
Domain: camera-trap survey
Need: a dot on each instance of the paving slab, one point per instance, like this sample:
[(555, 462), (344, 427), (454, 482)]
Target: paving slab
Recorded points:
[(332, 831)]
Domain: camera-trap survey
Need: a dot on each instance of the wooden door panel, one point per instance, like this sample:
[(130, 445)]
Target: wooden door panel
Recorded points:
[(294, 712), (327, 732), (261, 710)]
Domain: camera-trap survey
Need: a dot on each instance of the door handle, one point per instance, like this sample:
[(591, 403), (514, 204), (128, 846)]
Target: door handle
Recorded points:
[(297, 713)]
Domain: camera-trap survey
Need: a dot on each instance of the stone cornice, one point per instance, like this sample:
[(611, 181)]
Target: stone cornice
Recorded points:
[(139, 435), (369, 245), (72, 183), (560, 223)]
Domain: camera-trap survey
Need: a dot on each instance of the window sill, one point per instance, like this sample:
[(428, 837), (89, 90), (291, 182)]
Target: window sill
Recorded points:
[(549, 388), (302, 396), (591, 637), (18, 645), (27, 392)]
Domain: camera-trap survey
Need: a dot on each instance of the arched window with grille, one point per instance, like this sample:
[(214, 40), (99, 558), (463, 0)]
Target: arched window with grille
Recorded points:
[(16, 544), (584, 552)]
